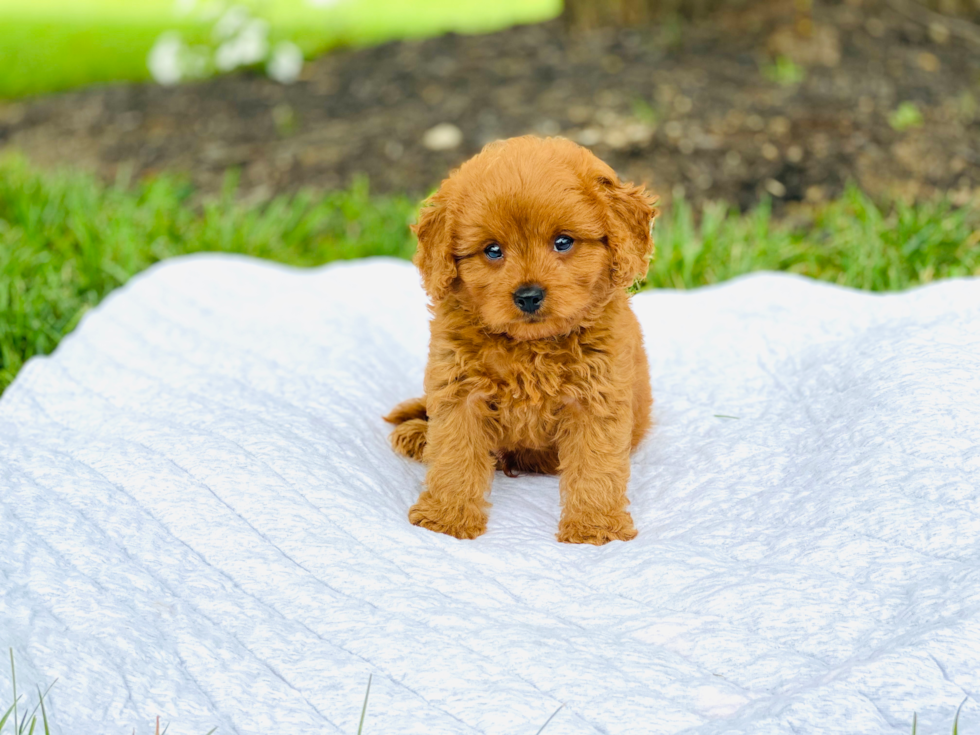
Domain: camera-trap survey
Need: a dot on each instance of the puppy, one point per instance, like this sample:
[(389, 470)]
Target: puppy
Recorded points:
[(536, 361)]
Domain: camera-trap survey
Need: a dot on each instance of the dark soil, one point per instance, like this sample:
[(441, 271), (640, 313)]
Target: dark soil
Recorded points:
[(692, 108)]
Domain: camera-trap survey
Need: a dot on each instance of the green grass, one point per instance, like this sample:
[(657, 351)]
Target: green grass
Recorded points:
[(784, 72), (43, 55), (27, 725), (367, 693), (852, 241), (907, 115), (51, 45), (23, 719), (66, 241)]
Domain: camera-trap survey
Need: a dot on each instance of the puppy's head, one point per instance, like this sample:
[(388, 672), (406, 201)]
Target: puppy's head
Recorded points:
[(533, 237)]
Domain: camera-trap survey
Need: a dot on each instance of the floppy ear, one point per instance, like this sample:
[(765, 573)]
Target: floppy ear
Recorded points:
[(631, 214), (434, 255)]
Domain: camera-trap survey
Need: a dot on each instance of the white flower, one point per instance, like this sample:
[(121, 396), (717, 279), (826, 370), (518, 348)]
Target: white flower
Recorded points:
[(250, 46), (237, 39), (254, 40), (285, 63), (231, 23), (164, 59)]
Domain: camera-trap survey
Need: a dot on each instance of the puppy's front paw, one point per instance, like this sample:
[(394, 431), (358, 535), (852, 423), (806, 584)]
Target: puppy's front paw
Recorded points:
[(596, 530), (462, 520)]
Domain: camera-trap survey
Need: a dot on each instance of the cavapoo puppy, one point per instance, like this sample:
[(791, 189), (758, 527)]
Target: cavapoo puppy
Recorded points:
[(536, 361)]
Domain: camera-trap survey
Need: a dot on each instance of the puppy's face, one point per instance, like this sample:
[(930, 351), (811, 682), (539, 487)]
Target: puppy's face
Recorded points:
[(533, 236), (531, 260)]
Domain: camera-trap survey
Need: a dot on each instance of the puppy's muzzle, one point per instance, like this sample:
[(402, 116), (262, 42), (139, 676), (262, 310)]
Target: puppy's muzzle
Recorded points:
[(529, 298)]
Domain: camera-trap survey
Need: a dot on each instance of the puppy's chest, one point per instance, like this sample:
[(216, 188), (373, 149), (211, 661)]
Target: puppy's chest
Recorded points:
[(529, 388), (526, 379)]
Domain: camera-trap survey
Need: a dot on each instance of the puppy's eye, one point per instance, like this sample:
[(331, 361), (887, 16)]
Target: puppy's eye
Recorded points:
[(563, 243), (493, 251)]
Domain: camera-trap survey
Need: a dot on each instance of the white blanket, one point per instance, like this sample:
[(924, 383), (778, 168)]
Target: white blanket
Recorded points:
[(201, 518)]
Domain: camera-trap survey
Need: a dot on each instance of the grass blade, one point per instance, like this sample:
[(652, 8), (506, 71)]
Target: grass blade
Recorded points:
[(40, 701), (44, 713), (550, 718), (13, 676), (367, 692), (956, 721), (6, 715), (915, 722)]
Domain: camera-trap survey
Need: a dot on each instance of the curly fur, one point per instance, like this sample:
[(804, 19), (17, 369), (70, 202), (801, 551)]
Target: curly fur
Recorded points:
[(565, 390)]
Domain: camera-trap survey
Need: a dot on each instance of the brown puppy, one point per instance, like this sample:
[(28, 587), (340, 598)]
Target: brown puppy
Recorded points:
[(536, 361)]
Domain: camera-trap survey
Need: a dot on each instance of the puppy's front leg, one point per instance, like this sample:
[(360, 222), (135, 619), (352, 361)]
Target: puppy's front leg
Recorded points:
[(594, 457), (458, 452)]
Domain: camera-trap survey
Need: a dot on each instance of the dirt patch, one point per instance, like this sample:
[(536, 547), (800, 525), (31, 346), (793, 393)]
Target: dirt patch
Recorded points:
[(870, 95)]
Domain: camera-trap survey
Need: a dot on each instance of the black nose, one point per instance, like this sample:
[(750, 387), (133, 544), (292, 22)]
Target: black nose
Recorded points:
[(529, 298)]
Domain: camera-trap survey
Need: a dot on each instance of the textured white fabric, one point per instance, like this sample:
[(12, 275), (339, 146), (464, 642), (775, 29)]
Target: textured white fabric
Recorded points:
[(201, 518)]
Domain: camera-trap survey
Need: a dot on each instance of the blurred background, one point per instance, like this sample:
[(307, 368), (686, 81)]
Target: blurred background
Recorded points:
[(834, 139), (838, 139), (716, 99)]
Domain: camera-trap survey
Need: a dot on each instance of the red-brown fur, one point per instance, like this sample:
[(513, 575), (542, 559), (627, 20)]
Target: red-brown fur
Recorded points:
[(563, 391)]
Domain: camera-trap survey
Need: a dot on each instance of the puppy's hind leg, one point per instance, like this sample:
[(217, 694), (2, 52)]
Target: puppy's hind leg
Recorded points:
[(411, 425)]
